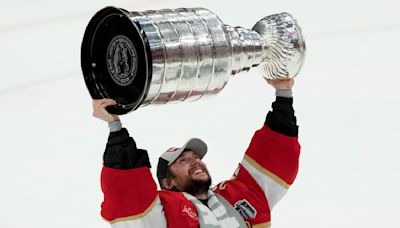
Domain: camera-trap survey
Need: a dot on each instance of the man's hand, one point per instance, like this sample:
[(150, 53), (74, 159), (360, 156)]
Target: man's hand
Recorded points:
[(281, 84), (99, 110)]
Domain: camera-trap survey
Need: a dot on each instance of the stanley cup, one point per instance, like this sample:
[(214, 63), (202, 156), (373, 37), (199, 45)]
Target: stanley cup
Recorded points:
[(164, 56)]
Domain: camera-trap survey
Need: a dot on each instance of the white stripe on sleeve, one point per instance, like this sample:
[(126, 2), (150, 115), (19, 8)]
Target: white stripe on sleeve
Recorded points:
[(273, 191), (155, 218)]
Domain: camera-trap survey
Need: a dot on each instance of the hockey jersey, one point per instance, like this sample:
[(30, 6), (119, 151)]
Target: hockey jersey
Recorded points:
[(268, 169)]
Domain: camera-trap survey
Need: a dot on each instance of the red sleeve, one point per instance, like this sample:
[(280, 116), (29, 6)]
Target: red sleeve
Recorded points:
[(267, 170), (127, 192), (272, 160), (274, 154)]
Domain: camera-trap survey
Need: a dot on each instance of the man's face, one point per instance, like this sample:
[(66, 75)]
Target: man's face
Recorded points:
[(191, 174)]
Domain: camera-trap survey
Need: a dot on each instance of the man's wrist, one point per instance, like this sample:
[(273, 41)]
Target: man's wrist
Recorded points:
[(284, 93), (115, 125)]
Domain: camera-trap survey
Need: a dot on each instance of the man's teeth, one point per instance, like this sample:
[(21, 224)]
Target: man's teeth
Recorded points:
[(198, 171)]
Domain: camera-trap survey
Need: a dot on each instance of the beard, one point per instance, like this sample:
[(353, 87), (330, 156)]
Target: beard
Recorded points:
[(194, 187)]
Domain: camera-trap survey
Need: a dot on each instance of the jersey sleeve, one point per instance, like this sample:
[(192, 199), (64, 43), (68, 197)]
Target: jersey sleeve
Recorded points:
[(272, 160), (130, 192), (131, 198), (263, 177)]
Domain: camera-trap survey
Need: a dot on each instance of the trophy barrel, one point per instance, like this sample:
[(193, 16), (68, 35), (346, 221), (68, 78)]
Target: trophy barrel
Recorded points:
[(190, 53)]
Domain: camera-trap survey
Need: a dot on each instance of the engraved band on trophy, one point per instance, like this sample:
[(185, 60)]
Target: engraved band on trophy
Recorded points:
[(163, 56)]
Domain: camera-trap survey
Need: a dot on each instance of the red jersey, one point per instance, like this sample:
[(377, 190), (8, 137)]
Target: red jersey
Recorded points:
[(268, 169)]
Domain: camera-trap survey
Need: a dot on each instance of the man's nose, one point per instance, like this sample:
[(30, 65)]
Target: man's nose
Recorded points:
[(195, 161)]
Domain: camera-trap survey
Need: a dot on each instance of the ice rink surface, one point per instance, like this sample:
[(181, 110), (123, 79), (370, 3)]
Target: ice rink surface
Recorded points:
[(347, 103)]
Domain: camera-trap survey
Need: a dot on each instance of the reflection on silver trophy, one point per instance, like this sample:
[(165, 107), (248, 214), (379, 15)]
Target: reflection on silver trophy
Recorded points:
[(163, 56)]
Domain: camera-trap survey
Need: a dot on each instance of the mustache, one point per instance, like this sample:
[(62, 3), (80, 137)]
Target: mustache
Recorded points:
[(194, 168)]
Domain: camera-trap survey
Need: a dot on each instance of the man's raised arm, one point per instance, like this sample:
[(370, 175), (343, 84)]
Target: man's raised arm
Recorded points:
[(130, 193), (273, 155)]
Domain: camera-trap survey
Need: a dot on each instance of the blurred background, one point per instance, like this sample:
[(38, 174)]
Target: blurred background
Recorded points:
[(346, 101)]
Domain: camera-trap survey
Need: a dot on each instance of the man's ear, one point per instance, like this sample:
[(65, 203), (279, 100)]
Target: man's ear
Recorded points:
[(167, 183)]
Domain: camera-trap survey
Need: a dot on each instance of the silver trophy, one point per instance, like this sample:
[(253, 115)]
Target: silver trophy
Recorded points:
[(164, 56)]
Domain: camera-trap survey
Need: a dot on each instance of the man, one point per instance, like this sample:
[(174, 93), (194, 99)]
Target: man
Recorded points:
[(267, 170)]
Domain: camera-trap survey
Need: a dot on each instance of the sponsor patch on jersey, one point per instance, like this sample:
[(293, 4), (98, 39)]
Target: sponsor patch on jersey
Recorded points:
[(189, 212), (245, 209)]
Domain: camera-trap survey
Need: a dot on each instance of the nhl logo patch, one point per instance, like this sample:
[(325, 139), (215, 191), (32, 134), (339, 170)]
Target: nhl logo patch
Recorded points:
[(245, 209)]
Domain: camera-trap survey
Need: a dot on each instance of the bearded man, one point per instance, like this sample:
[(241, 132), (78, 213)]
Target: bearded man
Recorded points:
[(269, 167)]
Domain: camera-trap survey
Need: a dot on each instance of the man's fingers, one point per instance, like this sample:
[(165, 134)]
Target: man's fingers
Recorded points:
[(100, 103), (107, 103), (100, 112)]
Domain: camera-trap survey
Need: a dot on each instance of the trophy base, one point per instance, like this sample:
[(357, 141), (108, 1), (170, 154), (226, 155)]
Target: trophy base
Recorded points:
[(114, 60)]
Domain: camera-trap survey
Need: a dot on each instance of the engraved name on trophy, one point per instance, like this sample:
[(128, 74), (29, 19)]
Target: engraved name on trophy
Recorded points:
[(163, 56)]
